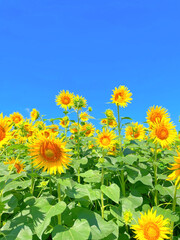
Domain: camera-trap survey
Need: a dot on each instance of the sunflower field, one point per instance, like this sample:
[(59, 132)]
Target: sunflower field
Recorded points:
[(62, 179)]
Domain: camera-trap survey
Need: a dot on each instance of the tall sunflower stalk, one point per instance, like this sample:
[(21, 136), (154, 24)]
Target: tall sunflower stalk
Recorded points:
[(121, 97)]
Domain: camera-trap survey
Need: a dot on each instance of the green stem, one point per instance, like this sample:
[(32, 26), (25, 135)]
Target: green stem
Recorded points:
[(122, 182), (32, 180), (102, 197), (59, 199), (79, 179), (155, 176), (173, 209)]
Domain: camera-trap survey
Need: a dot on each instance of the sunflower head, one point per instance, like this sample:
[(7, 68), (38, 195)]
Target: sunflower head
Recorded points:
[(16, 118), (88, 129), (49, 153), (111, 122), (34, 114), (155, 114), (175, 167), (106, 139), (15, 163), (121, 96), (79, 102), (127, 217), (137, 131), (84, 116), (109, 113), (64, 122), (152, 227), (74, 128), (64, 99), (5, 134), (163, 132)]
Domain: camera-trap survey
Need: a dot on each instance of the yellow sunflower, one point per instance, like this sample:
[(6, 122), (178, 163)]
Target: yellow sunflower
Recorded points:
[(104, 121), (137, 131), (49, 154), (5, 134), (109, 113), (17, 118), (105, 139), (163, 132), (88, 129), (74, 128), (65, 99), (84, 116), (79, 102), (175, 175), (15, 163), (64, 122), (155, 114), (152, 227), (34, 114), (121, 96), (111, 122)]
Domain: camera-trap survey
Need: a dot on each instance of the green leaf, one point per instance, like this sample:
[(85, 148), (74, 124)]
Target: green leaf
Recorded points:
[(99, 228), (112, 192), (79, 231)]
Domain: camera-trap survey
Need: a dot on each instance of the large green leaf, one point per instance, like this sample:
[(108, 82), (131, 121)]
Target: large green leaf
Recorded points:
[(99, 228), (79, 231), (112, 192)]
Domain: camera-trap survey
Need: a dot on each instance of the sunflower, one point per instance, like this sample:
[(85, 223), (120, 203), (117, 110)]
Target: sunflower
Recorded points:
[(104, 121), (79, 102), (121, 96), (137, 131), (155, 114), (15, 163), (74, 128), (109, 113), (163, 132), (64, 122), (49, 154), (111, 122), (84, 116), (65, 99), (88, 129), (17, 118), (127, 217), (105, 139), (5, 134), (152, 227), (34, 114), (175, 167)]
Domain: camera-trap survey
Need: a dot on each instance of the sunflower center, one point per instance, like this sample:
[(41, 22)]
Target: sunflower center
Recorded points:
[(2, 133), (156, 117), (17, 119), (50, 152), (162, 133), (18, 167), (151, 231), (88, 132), (105, 141), (65, 100), (119, 95)]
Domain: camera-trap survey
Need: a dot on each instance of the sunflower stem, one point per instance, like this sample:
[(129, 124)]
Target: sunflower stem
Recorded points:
[(102, 196), (122, 182), (59, 199), (32, 180), (173, 209), (78, 145), (155, 176)]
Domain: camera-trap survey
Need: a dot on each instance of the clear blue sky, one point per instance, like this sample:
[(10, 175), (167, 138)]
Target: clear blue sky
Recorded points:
[(89, 47)]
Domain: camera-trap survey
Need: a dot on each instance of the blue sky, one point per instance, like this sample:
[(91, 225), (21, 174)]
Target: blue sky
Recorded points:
[(89, 48)]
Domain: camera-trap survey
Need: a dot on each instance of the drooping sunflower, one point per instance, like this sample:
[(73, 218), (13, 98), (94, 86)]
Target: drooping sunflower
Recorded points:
[(79, 102), (105, 139), (121, 96), (34, 114), (17, 118), (65, 99), (137, 131), (49, 153), (15, 163), (64, 122), (155, 114), (152, 227), (163, 132), (175, 167), (5, 134)]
